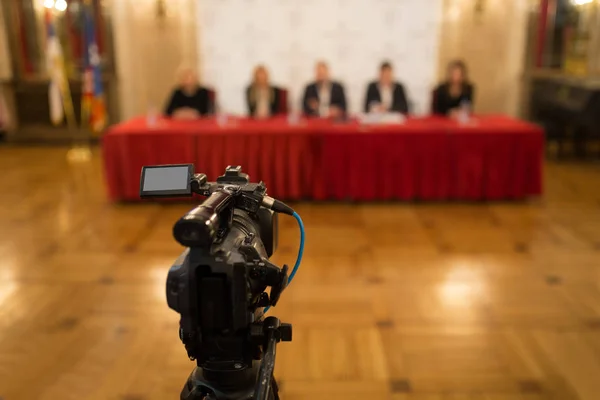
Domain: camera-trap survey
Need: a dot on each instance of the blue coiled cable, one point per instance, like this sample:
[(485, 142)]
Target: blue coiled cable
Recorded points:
[(300, 252)]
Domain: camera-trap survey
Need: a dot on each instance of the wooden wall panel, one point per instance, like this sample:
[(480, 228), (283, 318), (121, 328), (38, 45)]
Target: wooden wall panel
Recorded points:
[(490, 36), (149, 49)]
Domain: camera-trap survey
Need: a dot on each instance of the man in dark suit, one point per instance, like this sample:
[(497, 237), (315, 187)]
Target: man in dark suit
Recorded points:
[(324, 98), (386, 95)]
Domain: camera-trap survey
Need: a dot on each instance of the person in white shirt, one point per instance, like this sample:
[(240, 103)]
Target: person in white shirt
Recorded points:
[(324, 98), (385, 94), (262, 98)]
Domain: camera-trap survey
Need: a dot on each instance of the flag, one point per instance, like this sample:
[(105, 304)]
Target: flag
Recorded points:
[(93, 109), (59, 94)]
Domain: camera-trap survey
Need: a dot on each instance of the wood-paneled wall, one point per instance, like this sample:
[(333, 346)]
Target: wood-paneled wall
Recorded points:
[(5, 60), (6, 97), (490, 36), (149, 48)]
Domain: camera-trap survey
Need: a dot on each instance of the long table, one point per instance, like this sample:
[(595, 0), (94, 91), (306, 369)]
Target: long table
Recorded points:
[(432, 158)]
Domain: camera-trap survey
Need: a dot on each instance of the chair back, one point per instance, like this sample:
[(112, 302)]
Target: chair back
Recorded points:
[(283, 101), (212, 97), (434, 95)]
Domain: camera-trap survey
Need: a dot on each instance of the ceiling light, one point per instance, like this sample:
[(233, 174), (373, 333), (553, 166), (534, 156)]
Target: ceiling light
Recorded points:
[(60, 5)]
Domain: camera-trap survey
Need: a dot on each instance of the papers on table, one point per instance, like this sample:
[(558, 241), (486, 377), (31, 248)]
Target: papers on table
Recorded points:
[(382, 118)]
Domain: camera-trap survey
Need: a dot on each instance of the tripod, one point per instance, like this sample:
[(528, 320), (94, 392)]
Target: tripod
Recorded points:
[(256, 382)]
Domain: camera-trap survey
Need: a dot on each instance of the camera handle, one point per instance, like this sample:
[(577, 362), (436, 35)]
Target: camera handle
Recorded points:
[(271, 331)]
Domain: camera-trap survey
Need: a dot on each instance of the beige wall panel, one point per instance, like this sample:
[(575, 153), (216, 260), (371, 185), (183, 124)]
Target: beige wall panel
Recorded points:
[(490, 36), (149, 48)]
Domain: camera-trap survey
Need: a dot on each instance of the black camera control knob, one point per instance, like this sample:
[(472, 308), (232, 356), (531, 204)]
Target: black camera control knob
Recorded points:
[(285, 332), (249, 239)]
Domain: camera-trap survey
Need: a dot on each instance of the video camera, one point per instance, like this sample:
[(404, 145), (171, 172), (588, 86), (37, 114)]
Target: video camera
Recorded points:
[(218, 284)]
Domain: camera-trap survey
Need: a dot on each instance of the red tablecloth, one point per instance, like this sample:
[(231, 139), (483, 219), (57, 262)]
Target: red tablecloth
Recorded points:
[(492, 158)]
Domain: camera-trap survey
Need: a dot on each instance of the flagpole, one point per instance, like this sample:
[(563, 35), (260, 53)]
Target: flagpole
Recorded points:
[(82, 139), (84, 129), (92, 107), (85, 102), (59, 78), (69, 109)]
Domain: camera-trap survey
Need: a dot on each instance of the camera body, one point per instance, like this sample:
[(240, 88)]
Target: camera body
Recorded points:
[(232, 194), (218, 284)]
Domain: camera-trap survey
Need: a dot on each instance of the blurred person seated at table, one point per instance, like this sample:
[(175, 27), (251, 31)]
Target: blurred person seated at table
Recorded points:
[(324, 98), (262, 98), (449, 96), (386, 95), (189, 100)]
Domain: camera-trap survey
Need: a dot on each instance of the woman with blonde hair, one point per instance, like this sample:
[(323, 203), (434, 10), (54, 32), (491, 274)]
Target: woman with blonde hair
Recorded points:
[(262, 98), (189, 100)]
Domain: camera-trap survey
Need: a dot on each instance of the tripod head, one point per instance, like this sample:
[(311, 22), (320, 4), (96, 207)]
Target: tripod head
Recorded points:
[(218, 284)]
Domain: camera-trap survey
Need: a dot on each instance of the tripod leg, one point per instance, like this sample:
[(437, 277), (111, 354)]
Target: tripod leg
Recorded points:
[(274, 389)]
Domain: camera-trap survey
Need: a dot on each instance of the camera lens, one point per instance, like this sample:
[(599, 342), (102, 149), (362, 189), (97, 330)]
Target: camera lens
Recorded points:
[(196, 229), (190, 234), (199, 227)]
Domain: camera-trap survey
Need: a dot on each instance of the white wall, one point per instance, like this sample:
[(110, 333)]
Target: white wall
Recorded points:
[(353, 36)]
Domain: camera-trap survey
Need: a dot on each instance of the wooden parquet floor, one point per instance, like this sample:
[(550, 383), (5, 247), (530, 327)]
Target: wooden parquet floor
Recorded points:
[(393, 301)]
